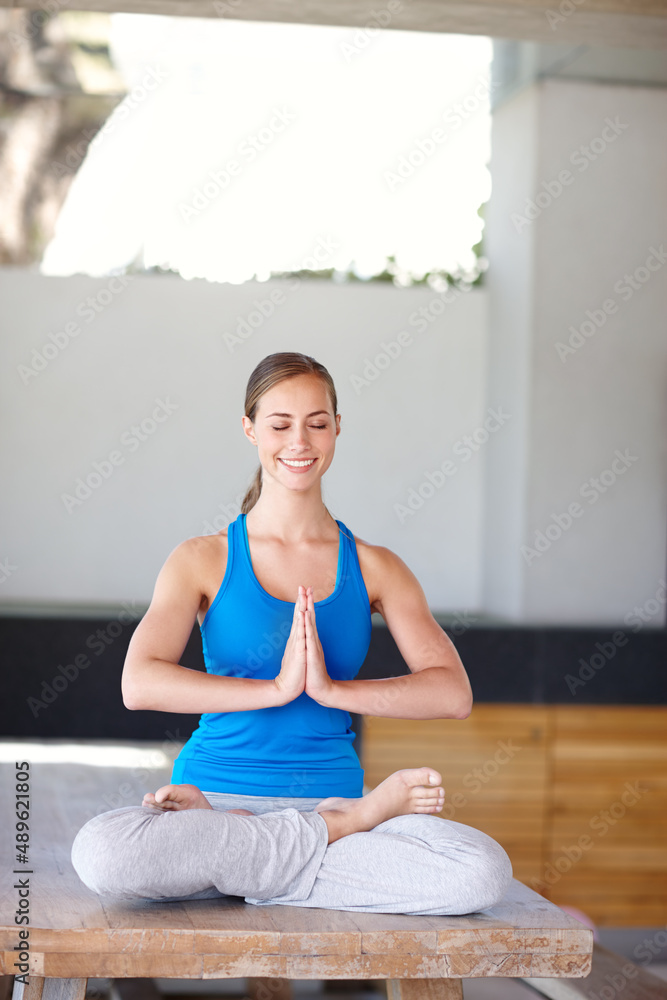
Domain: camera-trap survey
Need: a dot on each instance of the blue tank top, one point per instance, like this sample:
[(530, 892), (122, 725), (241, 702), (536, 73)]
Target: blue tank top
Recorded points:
[(301, 749)]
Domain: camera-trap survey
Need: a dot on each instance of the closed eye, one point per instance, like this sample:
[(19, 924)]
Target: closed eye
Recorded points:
[(317, 427)]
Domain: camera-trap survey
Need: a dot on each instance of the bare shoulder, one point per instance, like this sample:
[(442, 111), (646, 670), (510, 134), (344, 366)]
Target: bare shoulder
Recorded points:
[(201, 546), (196, 552), (207, 554), (200, 562), (379, 567)]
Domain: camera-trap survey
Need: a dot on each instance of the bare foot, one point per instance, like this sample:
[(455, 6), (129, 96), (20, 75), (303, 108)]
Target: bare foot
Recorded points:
[(183, 797), (177, 797), (411, 790)]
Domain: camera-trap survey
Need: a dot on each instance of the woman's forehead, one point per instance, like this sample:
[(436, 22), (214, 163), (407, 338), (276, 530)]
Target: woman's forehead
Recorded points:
[(296, 394)]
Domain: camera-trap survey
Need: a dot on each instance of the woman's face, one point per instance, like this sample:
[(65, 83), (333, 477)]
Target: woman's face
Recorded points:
[(294, 422)]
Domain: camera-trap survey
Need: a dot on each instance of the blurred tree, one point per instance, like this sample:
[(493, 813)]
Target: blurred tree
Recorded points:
[(47, 120), (438, 278)]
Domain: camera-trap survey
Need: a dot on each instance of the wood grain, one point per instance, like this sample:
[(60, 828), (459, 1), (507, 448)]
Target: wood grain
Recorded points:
[(424, 989), (39, 988), (612, 975), (269, 989), (609, 795)]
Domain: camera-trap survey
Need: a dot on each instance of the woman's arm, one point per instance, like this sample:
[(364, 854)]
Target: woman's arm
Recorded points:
[(437, 686), (152, 676)]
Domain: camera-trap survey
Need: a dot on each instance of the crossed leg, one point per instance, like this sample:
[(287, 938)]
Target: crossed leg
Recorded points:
[(414, 864), (386, 852)]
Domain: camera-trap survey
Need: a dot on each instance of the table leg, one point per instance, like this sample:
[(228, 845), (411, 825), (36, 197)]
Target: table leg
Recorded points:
[(424, 989), (260, 988), (131, 988), (46, 988)]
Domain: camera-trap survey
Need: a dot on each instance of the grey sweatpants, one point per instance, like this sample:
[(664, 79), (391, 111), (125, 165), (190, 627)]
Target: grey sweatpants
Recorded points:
[(414, 864)]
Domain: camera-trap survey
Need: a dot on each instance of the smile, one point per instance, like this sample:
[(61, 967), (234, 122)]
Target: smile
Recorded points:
[(303, 464)]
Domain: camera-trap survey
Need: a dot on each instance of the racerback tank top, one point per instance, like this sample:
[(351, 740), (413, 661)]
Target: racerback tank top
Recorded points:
[(301, 749)]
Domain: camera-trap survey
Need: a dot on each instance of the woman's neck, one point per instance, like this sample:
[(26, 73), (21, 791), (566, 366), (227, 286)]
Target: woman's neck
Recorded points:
[(292, 519)]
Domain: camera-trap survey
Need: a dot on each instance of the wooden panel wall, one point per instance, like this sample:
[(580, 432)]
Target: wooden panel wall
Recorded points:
[(609, 797), (577, 796)]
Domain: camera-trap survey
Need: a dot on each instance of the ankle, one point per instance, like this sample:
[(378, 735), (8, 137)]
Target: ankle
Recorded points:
[(339, 824)]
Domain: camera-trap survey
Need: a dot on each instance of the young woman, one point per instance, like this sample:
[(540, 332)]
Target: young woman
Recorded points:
[(266, 800)]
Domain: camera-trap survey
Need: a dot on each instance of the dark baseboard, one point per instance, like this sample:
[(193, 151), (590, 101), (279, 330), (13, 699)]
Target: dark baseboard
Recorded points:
[(61, 677)]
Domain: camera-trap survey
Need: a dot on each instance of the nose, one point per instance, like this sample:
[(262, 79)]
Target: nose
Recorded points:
[(299, 440)]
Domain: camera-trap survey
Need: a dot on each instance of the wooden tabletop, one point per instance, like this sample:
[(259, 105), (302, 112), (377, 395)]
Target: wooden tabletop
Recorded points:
[(76, 933)]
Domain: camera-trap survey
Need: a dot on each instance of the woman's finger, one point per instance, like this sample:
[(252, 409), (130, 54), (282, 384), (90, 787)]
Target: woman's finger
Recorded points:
[(295, 616)]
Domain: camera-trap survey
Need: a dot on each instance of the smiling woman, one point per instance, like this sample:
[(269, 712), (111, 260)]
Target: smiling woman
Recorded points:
[(284, 600)]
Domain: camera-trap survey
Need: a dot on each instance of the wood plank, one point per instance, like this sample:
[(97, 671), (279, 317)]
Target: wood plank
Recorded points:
[(114, 966), (513, 965), (398, 933), (608, 794), (230, 926), (305, 931), (611, 975), (40, 988), (407, 967), (113, 940), (454, 965), (32, 990), (633, 721), (244, 966)]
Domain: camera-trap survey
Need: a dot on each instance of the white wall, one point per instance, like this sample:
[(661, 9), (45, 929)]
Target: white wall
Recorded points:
[(162, 338), (578, 409), (508, 363)]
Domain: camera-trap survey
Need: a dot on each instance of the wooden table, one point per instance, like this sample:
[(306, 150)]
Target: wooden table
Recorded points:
[(76, 935)]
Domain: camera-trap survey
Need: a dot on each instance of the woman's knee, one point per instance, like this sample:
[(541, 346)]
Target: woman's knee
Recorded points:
[(490, 876), (104, 849), (475, 870)]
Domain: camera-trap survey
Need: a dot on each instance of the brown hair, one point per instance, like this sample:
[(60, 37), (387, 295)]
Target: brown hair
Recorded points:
[(271, 370)]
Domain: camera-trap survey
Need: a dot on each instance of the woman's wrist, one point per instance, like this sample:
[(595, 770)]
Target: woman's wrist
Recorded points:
[(282, 693)]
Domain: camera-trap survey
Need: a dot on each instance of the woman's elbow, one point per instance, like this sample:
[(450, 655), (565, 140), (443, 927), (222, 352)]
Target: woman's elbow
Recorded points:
[(464, 705), (131, 700), (457, 694), (464, 710), (131, 694)]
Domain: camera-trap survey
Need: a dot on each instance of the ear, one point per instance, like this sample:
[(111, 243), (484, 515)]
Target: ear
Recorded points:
[(337, 424), (248, 429)]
